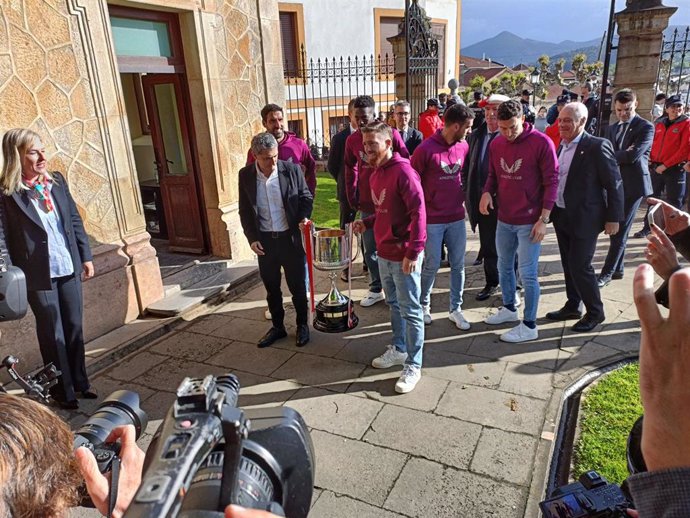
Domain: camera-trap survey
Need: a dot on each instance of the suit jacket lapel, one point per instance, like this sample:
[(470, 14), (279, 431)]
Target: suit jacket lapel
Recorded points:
[(283, 179), (60, 201), (21, 198), (580, 152)]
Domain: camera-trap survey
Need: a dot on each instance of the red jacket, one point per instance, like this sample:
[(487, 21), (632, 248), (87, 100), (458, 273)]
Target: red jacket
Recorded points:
[(429, 122), (671, 144), (553, 133)]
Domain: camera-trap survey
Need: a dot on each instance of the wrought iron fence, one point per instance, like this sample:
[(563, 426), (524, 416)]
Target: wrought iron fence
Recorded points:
[(317, 92), (673, 76)]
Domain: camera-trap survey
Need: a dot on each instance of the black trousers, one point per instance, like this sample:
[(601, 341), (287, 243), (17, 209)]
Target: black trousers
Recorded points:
[(347, 215), (673, 182), (283, 249), (576, 257), (58, 313), (487, 244), (615, 258)]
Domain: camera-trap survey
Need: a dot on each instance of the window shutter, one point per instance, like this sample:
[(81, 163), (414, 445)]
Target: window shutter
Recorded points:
[(288, 36), (439, 29), (388, 27)]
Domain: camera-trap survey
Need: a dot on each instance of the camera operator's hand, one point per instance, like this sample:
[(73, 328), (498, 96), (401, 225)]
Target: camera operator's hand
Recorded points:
[(132, 465), (235, 511), (661, 253), (664, 367)]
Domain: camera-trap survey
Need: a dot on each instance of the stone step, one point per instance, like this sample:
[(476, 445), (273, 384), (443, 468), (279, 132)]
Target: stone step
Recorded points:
[(219, 278)]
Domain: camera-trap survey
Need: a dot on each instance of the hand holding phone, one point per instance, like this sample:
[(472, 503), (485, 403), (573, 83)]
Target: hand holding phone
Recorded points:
[(656, 216)]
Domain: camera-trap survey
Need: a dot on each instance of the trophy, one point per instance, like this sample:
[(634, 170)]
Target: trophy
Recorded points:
[(330, 250)]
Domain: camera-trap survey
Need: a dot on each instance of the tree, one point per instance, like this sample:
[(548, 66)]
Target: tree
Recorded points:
[(477, 83), (549, 74), (508, 83)]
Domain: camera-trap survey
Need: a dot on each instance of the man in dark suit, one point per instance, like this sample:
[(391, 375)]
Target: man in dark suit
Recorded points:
[(590, 199), (411, 137), (632, 141), (274, 205), (336, 166)]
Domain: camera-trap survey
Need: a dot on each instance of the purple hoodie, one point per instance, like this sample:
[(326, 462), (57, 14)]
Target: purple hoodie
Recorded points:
[(294, 149), (399, 220), (523, 174), (439, 165)]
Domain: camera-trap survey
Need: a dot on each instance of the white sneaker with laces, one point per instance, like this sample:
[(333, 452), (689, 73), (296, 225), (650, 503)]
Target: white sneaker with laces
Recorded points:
[(389, 358), (459, 320), (371, 299), (408, 379), (501, 316), (518, 300), (520, 333), (426, 311)]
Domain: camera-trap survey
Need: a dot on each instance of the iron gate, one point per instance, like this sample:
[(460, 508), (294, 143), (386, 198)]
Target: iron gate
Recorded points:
[(673, 76)]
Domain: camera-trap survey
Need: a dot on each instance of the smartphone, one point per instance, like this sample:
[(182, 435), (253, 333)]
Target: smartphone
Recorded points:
[(656, 216)]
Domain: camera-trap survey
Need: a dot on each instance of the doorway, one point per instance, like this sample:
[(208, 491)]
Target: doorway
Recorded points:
[(149, 54)]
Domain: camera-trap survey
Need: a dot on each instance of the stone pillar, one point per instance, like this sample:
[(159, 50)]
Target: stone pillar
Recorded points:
[(640, 29)]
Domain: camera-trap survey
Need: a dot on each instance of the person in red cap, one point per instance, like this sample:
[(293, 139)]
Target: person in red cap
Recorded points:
[(430, 120)]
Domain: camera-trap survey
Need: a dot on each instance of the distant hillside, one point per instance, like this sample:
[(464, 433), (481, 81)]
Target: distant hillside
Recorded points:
[(510, 49)]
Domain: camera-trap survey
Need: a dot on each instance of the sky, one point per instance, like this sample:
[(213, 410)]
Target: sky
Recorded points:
[(546, 20)]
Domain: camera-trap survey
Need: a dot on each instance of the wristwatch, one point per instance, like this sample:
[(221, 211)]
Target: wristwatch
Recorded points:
[(544, 220)]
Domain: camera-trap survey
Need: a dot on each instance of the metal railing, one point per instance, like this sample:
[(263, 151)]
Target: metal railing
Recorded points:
[(317, 92), (673, 76)]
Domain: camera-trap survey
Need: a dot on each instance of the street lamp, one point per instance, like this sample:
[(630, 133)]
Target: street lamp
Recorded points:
[(534, 80)]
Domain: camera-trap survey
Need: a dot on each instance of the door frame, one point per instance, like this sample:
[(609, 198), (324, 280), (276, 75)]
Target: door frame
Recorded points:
[(169, 65)]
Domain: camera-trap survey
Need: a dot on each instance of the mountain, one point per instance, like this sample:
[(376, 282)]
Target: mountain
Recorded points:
[(510, 49)]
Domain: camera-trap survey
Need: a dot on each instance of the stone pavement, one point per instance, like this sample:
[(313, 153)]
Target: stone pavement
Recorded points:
[(472, 440)]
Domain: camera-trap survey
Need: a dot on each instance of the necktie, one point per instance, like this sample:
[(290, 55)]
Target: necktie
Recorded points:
[(621, 134)]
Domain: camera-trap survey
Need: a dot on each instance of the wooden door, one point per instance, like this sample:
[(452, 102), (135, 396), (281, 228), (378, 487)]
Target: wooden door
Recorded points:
[(170, 134)]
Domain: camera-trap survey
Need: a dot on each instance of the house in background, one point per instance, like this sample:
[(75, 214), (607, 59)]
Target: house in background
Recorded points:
[(336, 50)]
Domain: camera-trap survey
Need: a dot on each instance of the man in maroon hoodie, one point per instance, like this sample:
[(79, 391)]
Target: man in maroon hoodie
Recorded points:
[(439, 161), (357, 172), (291, 149), (523, 177), (399, 224)]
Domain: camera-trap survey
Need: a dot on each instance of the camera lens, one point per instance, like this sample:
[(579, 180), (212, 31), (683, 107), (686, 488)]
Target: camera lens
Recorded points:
[(120, 408)]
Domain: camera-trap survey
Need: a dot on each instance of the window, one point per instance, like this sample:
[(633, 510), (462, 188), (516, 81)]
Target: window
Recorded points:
[(388, 27), (295, 126), (291, 37), (439, 30)]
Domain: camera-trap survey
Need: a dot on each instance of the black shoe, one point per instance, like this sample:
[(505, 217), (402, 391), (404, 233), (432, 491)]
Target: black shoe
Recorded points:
[(477, 262), (89, 393), (487, 291), (271, 336), (604, 280), (73, 404), (587, 323), (564, 314), (641, 233), (302, 335), (617, 276)]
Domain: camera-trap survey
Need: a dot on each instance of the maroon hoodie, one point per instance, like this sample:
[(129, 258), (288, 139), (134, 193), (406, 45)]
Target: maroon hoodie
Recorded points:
[(523, 174), (357, 171), (399, 220), (293, 149), (439, 164)]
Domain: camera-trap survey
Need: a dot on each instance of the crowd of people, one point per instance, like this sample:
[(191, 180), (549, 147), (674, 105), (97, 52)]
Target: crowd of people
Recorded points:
[(507, 169)]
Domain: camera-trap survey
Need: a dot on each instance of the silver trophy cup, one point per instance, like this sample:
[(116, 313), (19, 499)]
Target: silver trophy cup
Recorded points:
[(333, 253)]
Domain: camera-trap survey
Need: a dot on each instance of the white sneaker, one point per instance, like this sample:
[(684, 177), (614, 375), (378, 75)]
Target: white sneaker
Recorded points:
[(502, 315), (408, 379), (371, 299), (389, 358), (518, 300), (458, 318), (520, 333), (426, 311)]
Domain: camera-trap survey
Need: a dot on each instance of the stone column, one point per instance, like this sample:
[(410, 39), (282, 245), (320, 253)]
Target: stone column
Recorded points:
[(640, 29)]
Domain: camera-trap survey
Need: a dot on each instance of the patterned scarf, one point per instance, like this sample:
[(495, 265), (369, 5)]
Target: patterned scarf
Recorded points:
[(39, 191)]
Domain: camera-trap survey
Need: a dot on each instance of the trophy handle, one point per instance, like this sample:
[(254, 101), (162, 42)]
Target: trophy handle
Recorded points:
[(357, 238)]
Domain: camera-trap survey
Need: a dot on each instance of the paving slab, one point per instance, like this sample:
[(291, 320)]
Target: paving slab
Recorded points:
[(250, 358), (501, 454), (433, 437), (330, 505), (527, 380), (462, 368), (311, 370), (191, 346)]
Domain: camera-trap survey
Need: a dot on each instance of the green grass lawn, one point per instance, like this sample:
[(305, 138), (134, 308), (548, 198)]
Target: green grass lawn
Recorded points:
[(326, 212), (607, 413)]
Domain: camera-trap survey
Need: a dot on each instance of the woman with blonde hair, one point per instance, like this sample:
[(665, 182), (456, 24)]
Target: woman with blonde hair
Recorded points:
[(44, 235)]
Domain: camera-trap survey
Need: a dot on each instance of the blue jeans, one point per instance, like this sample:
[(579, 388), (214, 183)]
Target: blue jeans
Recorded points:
[(512, 239), (402, 296), (455, 236), (371, 258)]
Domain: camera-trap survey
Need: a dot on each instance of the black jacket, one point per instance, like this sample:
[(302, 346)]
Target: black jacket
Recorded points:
[(297, 200), (472, 181), (634, 164), (336, 155), (414, 138), (593, 192), (23, 236)]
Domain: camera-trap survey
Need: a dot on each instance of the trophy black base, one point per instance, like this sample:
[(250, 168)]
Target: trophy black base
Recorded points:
[(333, 319)]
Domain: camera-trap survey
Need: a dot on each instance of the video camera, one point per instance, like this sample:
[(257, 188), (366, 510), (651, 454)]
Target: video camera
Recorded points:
[(208, 453), (592, 496)]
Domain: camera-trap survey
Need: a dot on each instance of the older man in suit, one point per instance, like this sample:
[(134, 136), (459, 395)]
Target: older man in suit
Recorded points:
[(590, 199), (274, 205), (632, 141), (411, 137)]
